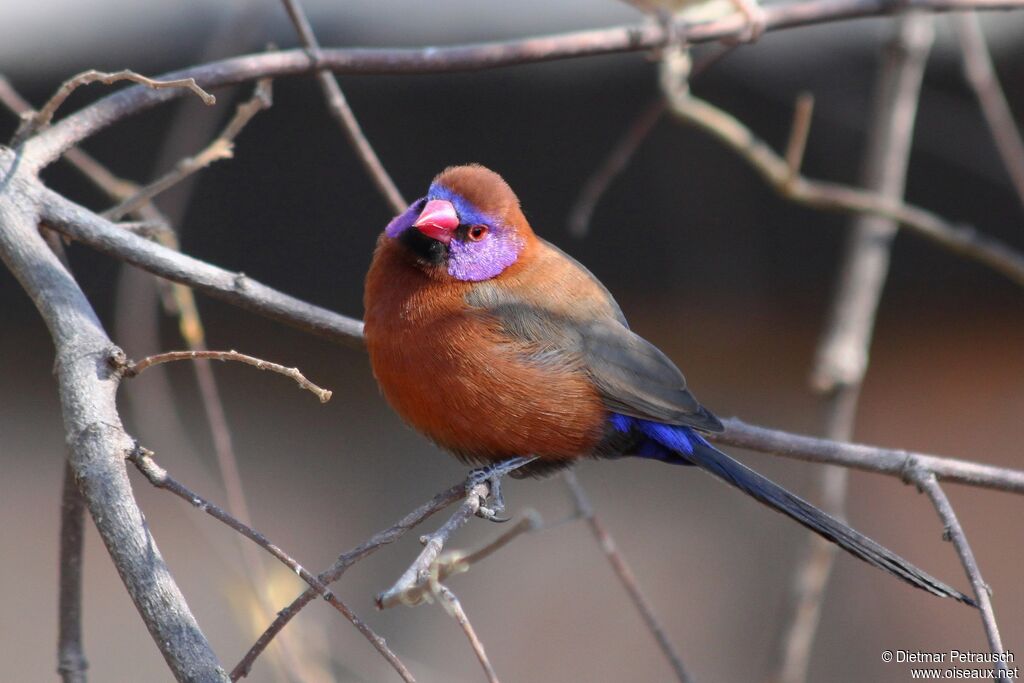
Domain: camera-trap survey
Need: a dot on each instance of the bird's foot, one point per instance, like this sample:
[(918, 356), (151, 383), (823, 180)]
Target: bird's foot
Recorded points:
[(492, 474)]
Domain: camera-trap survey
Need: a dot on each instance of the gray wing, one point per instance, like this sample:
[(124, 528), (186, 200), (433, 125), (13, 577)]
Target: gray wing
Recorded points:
[(632, 375), (635, 378)]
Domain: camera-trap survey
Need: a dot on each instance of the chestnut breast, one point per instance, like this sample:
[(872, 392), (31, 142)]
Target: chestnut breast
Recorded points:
[(449, 370)]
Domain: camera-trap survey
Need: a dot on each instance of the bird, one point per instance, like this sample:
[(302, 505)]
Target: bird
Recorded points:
[(496, 345)]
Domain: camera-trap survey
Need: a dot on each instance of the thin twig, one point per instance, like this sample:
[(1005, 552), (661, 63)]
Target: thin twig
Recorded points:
[(625, 575), (116, 188), (137, 368), (959, 239), (842, 356), (798, 133), (927, 482), (405, 590), (341, 565), (616, 161), (454, 607), (222, 147), (42, 118), (71, 662), (981, 74), (418, 573), (338, 105), (457, 562), (143, 460)]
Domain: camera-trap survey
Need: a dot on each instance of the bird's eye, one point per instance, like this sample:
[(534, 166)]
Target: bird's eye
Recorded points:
[(477, 232)]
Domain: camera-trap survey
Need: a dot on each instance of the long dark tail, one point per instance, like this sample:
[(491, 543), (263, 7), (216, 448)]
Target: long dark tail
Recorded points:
[(766, 491)]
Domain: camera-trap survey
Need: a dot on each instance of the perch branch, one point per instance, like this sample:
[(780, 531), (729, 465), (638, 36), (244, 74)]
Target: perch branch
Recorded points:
[(222, 147), (158, 477), (85, 226), (959, 239), (71, 662), (457, 562), (626, 576), (134, 369), (338, 105), (344, 561), (927, 482), (981, 74), (48, 145), (418, 574), (841, 360)]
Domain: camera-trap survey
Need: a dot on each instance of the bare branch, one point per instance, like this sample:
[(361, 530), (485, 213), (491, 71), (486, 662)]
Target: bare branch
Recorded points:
[(71, 662), (616, 161), (457, 562), (798, 133), (93, 429), (981, 74), (959, 239), (50, 144), (338, 105), (842, 356), (143, 460), (454, 607), (926, 482), (404, 591), (237, 288), (133, 369), (42, 118), (222, 147), (626, 577), (156, 226), (344, 561), (890, 461)]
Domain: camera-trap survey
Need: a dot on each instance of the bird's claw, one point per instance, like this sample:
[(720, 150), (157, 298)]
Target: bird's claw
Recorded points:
[(491, 515), (492, 474)]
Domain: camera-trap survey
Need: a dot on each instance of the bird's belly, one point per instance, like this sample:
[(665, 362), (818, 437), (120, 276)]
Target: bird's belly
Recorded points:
[(482, 399)]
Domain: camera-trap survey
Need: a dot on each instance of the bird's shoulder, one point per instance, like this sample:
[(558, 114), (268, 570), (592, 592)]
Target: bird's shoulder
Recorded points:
[(548, 281)]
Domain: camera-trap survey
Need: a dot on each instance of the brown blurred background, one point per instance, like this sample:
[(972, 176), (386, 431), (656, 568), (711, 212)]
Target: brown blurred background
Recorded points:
[(730, 281)]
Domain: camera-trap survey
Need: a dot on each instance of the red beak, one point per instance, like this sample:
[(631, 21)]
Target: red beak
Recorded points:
[(438, 220)]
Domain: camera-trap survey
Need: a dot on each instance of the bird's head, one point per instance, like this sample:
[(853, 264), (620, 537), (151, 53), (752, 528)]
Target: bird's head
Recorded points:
[(469, 227)]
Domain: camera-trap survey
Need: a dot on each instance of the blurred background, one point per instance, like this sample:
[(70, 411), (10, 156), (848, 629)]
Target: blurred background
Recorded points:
[(732, 282)]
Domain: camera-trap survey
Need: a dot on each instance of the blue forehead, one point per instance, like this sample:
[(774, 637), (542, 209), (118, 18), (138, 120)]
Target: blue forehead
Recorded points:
[(468, 213)]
